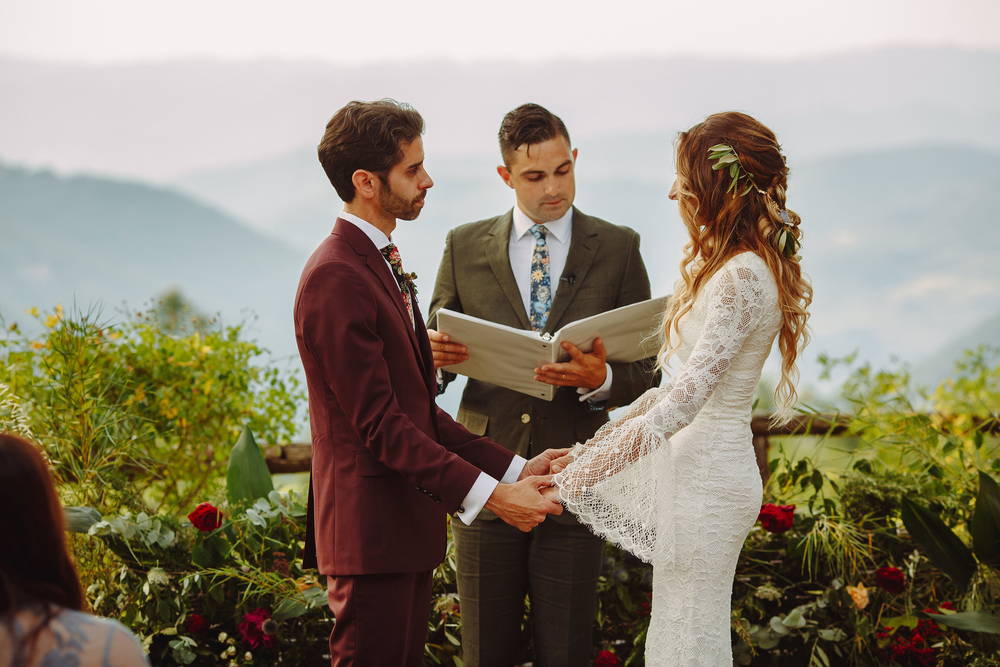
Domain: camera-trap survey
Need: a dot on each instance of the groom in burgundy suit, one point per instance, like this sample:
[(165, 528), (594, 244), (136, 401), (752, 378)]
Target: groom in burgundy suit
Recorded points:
[(387, 463)]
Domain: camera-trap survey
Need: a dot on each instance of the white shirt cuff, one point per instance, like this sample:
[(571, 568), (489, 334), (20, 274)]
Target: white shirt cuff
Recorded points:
[(476, 498), (514, 469), (602, 393), (483, 488)]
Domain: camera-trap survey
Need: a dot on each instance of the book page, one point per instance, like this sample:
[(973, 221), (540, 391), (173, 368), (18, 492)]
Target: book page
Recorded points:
[(499, 354), (629, 333)]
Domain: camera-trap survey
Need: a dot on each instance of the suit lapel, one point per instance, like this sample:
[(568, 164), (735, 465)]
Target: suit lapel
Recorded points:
[(376, 263), (498, 253), (426, 356), (582, 250)]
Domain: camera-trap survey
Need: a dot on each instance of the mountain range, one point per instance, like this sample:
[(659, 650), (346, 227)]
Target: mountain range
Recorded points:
[(118, 183)]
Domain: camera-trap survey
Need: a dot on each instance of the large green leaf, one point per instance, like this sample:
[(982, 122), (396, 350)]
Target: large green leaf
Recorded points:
[(985, 525), (248, 477), (974, 621), (939, 543)]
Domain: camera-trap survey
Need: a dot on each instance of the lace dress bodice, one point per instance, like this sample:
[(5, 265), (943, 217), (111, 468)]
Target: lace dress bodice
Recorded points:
[(674, 480)]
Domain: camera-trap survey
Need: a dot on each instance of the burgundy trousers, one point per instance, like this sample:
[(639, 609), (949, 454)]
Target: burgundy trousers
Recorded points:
[(381, 619)]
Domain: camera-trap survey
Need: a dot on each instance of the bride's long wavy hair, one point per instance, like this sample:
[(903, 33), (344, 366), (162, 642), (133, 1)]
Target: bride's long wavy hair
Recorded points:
[(722, 224)]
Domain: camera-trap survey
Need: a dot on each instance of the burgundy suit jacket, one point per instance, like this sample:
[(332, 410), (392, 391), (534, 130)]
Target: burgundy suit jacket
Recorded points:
[(387, 463)]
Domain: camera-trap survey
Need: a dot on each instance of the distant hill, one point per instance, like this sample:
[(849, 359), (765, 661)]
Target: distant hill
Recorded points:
[(83, 240), (900, 243)]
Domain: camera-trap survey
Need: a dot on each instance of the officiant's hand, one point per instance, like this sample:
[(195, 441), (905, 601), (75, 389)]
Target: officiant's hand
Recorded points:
[(446, 351), (582, 370), (522, 504), (540, 464)]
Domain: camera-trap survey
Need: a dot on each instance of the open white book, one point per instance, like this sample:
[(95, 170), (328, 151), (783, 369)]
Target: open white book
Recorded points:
[(507, 356)]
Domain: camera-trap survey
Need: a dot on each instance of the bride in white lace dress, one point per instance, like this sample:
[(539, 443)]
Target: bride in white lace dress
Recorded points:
[(675, 480)]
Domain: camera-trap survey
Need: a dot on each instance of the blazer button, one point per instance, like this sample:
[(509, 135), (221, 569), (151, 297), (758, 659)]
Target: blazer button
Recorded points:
[(525, 418)]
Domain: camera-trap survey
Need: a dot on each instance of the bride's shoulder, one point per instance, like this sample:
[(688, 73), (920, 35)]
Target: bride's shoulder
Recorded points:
[(749, 271)]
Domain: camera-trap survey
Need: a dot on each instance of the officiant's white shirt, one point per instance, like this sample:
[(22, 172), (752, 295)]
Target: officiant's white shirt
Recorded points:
[(484, 485), (521, 248)]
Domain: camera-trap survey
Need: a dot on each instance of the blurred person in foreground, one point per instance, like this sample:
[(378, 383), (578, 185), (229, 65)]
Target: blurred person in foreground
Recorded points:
[(675, 480), (42, 610)]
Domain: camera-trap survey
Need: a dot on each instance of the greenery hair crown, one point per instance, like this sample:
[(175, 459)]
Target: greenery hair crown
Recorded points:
[(725, 157)]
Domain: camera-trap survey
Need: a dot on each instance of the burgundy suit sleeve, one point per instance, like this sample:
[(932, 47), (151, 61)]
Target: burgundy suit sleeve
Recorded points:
[(339, 326), (492, 458)]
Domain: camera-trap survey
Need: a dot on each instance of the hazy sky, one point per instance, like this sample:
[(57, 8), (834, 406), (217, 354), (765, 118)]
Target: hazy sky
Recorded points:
[(349, 31)]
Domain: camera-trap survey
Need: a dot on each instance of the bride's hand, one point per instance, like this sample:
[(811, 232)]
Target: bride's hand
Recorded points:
[(560, 463)]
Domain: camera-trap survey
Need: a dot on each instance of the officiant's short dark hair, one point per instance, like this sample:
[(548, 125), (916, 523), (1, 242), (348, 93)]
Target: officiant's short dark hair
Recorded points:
[(366, 135), (527, 125)]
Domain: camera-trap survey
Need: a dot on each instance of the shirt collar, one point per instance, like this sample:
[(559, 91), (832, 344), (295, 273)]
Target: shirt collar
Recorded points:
[(558, 230), (376, 235)]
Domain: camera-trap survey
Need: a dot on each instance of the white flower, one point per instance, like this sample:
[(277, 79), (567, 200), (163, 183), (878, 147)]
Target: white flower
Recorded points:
[(223, 636), (158, 576), (248, 656)]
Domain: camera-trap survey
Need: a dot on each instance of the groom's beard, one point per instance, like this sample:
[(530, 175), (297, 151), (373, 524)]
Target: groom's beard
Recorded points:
[(399, 207)]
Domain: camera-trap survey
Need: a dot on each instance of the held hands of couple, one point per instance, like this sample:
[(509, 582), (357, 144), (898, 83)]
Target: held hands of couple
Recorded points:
[(525, 503)]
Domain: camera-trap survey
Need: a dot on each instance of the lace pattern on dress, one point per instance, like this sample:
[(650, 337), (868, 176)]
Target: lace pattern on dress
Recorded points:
[(615, 483)]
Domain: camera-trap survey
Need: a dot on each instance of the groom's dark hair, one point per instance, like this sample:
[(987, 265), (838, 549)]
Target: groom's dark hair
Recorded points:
[(527, 125), (366, 135)]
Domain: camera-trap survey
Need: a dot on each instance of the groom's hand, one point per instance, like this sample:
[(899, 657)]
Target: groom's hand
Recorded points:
[(541, 464), (446, 352), (582, 370), (522, 504)]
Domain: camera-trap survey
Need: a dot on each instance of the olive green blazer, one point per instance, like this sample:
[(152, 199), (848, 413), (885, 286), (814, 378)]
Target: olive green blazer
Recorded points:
[(475, 278)]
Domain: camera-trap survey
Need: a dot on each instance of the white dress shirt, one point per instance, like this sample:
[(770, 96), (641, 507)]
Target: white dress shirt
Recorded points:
[(484, 485), (521, 247)]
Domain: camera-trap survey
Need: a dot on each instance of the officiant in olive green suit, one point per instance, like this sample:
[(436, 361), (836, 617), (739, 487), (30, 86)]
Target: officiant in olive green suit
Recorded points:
[(539, 266)]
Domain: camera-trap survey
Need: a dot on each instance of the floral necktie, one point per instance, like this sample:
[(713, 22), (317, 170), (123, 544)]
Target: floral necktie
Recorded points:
[(541, 284), (405, 280)]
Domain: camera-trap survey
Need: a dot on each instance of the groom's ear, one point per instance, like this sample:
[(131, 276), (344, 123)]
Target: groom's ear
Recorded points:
[(505, 175), (364, 184)]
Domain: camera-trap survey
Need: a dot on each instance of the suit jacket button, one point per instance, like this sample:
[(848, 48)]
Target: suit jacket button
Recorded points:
[(525, 418)]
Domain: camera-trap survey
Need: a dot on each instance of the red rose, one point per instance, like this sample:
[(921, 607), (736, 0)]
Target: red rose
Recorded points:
[(607, 659), (195, 624), (251, 628), (947, 605), (890, 579), (776, 518), (206, 517)]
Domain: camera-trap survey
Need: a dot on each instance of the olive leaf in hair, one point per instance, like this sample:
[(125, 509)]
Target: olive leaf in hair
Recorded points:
[(725, 157)]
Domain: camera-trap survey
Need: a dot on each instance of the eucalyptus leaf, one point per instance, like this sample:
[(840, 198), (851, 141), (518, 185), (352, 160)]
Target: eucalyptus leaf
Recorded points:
[(720, 147), (80, 519)]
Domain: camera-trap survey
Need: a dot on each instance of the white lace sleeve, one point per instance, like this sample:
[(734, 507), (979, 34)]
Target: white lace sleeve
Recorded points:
[(611, 486)]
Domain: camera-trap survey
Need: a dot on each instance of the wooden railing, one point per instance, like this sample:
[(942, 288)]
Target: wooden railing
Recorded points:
[(296, 457)]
